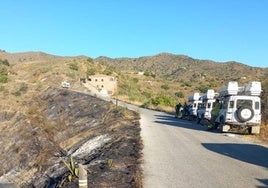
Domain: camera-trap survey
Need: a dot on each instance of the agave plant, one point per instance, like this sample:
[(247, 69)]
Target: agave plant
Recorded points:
[(110, 163), (73, 171)]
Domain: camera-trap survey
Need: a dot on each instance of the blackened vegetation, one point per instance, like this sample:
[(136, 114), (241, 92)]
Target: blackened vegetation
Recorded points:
[(56, 124)]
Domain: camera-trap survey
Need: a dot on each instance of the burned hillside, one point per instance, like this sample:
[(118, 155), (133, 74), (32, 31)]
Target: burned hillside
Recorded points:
[(54, 126)]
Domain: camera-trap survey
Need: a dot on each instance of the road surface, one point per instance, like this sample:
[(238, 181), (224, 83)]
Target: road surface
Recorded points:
[(182, 154), (179, 153)]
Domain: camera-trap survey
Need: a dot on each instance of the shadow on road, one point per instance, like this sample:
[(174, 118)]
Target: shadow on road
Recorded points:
[(249, 153), (264, 182), (172, 121)]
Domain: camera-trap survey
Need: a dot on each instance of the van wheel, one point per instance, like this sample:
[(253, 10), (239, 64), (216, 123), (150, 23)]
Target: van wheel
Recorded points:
[(245, 113)]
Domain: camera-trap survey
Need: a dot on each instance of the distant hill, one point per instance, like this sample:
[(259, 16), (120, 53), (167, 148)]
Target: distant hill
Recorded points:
[(165, 67), (15, 58), (181, 67)]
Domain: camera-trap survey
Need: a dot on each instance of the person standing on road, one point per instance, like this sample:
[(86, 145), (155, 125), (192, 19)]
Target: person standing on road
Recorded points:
[(178, 110), (185, 110)]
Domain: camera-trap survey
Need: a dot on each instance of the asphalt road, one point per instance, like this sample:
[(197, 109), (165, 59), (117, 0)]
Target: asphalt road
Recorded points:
[(182, 154), (179, 153)]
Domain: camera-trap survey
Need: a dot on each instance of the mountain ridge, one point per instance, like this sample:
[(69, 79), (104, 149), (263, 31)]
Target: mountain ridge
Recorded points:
[(178, 67), (30, 56), (164, 66), (39, 55)]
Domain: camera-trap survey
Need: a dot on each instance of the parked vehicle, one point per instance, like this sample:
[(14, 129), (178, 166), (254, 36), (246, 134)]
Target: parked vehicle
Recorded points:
[(204, 110), (194, 101), (240, 108), (65, 84)]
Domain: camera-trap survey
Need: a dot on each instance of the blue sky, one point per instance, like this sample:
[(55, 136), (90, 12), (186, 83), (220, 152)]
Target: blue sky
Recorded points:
[(219, 30)]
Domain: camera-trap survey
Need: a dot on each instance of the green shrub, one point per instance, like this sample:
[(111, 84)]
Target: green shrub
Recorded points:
[(165, 87), (4, 62), (74, 66), (164, 100), (90, 71), (3, 74), (147, 94), (188, 84), (212, 84), (179, 94), (202, 89), (147, 73), (3, 70), (3, 78), (135, 80), (108, 70), (134, 94)]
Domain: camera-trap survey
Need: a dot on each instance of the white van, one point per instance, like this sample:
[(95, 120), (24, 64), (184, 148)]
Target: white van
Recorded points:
[(240, 108), (195, 102), (204, 110), (65, 84)]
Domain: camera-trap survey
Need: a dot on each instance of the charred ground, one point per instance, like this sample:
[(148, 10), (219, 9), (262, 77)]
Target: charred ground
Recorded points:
[(56, 124)]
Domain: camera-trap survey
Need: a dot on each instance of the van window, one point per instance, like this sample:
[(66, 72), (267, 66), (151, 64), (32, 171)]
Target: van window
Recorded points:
[(243, 102), (257, 105)]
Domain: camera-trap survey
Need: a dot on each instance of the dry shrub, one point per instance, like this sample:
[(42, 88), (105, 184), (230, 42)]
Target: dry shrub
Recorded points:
[(264, 133)]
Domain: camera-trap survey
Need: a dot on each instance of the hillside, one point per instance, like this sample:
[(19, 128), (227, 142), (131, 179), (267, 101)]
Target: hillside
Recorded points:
[(164, 65), (181, 67), (171, 76), (41, 124)]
